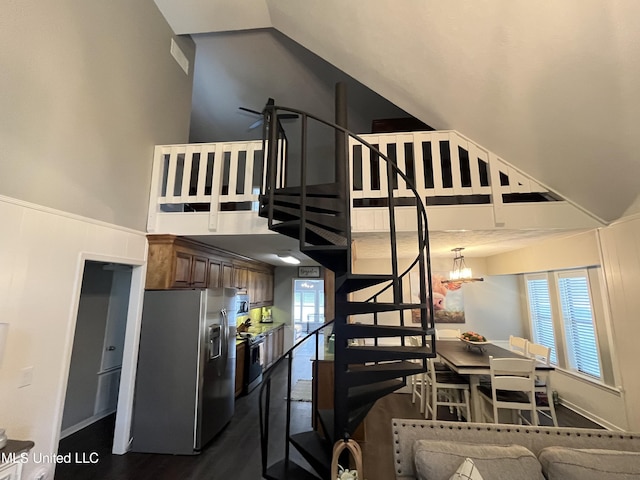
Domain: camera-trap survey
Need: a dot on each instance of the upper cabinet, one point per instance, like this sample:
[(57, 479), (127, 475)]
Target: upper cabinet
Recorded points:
[(176, 262)]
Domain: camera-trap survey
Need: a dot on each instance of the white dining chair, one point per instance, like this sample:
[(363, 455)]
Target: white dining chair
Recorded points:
[(418, 382), (518, 344), (447, 333), (542, 354), (512, 387), (446, 388)]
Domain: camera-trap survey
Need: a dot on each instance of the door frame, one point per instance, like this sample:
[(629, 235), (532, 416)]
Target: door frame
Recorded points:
[(122, 432)]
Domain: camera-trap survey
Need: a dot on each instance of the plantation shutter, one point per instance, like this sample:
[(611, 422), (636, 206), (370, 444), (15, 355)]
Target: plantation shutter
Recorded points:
[(578, 322), (540, 313)]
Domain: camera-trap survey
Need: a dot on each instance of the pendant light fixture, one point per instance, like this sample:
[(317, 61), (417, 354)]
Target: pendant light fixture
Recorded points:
[(460, 273)]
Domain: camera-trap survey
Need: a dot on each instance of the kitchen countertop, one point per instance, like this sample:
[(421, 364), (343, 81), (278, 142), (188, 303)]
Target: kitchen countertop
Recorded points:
[(264, 327), (259, 329)]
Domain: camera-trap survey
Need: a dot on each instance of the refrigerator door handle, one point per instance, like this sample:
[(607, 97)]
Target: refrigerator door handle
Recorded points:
[(225, 333), (215, 343)]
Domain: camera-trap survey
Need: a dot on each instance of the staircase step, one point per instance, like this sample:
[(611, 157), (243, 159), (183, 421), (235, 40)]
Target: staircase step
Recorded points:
[(365, 394), (376, 353), (357, 416), (324, 220), (292, 229), (315, 450), (319, 204), (365, 374), (288, 471), (352, 282), (363, 330), (314, 235), (333, 257), (334, 238), (356, 308), (326, 418), (320, 190)]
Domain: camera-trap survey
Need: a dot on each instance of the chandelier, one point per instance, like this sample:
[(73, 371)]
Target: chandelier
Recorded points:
[(460, 273)]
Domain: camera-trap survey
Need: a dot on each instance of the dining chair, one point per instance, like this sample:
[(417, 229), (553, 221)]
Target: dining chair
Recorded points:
[(446, 388), (542, 354), (447, 333), (518, 344), (418, 382), (512, 387)]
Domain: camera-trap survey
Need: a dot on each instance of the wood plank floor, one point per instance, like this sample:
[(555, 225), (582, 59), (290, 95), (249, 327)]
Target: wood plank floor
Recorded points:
[(235, 453)]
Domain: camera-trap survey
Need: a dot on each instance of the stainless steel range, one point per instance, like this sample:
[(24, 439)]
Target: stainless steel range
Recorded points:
[(254, 362)]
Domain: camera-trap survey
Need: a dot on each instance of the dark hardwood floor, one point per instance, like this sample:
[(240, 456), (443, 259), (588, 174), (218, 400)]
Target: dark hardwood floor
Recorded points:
[(235, 452)]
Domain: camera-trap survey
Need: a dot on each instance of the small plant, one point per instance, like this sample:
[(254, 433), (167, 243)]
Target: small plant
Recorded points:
[(346, 474), (473, 337)]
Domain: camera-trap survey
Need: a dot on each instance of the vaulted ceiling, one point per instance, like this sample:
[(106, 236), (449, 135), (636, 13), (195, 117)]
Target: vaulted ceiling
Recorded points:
[(552, 87)]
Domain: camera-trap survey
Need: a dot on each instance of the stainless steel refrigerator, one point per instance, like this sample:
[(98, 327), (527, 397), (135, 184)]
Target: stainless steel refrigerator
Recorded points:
[(185, 379)]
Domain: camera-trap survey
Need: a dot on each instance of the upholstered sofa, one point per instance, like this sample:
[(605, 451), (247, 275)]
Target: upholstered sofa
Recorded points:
[(433, 450)]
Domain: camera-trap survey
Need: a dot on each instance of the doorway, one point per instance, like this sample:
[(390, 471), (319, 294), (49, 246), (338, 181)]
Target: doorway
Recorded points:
[(98, 351), (308, 307)]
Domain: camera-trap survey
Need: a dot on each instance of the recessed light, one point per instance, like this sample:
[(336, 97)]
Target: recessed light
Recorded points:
[(289, 259)]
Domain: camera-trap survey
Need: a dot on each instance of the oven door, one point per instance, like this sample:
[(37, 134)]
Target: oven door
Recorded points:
[(254, 365)]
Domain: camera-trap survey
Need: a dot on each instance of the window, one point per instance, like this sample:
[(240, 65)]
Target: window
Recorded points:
[(577, 317), (540, 313)]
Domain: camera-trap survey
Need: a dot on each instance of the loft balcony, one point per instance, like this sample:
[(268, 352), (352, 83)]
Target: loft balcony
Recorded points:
[(213, 188)]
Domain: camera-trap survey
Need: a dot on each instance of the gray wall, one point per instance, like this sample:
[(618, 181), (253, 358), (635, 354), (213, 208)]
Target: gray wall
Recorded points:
[(245, 68), (87, 89), (283, 300)]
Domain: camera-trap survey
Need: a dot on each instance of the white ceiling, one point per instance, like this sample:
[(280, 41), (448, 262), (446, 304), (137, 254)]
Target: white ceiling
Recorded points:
[(551, 87), (478, 243)]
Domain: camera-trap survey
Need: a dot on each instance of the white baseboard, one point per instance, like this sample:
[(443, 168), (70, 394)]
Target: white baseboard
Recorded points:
[(84, 423)]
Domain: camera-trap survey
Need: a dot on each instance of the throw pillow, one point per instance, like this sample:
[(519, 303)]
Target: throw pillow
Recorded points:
[(439, 459), (466, 471), (563, 463)]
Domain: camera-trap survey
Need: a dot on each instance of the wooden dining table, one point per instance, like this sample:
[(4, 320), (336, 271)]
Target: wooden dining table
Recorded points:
[(473, 360)]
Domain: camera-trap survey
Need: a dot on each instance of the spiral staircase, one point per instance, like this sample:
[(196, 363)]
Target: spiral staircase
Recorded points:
[(318, 215)]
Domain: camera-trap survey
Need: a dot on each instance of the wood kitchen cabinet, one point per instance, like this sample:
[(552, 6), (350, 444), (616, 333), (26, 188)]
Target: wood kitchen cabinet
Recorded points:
[(260, 288), (227, 275), (241, 353), (273, 345), (241, 277), (215, 273), (173, 265), (177, 262)]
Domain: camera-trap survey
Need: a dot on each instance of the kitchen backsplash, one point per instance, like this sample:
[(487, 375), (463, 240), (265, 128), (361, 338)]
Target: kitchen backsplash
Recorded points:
[(255, 314)]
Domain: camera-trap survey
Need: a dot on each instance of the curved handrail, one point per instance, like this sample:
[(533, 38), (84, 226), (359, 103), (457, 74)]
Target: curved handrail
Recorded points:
[(423, 239), (266, 387)]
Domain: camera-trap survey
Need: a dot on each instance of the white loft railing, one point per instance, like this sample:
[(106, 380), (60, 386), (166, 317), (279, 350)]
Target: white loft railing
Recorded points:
[(447, 169)]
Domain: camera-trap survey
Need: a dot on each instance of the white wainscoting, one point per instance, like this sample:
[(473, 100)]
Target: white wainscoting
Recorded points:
[(42, 254)]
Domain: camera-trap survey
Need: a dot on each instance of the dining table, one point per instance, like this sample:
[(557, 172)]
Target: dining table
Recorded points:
[(473, 360)]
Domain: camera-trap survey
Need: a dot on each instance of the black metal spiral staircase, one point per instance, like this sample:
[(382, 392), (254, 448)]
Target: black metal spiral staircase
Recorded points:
[(318, 215)]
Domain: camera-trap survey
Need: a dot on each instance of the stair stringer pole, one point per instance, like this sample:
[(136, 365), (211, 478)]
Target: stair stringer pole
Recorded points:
[(341, 407)]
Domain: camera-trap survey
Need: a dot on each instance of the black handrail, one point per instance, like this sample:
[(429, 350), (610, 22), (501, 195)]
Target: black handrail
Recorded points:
[(423, 239), (264, 396), (423, 258)]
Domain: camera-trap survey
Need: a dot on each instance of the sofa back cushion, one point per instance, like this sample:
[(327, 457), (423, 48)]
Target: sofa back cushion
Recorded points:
[(438, 460), (562, 463)]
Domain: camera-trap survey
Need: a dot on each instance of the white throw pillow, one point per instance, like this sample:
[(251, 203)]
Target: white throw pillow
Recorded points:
[(466, 471)]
